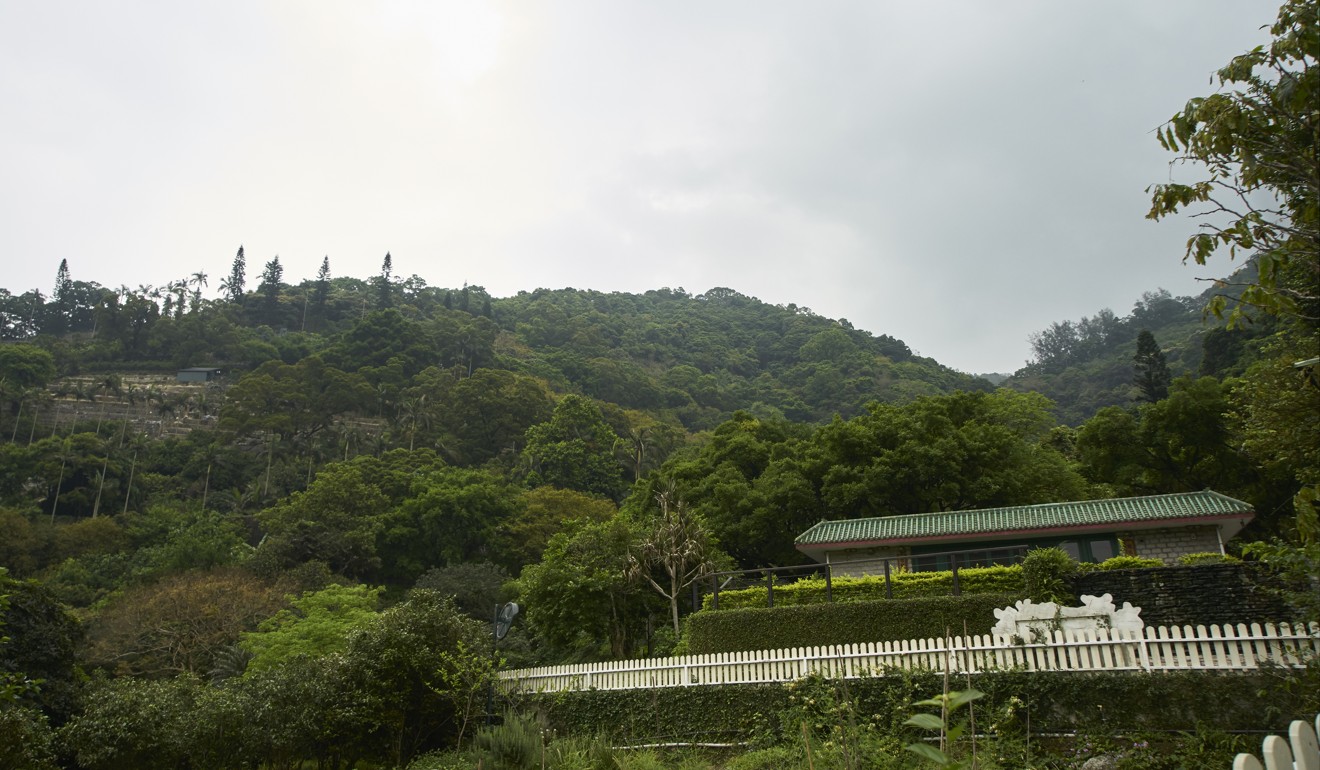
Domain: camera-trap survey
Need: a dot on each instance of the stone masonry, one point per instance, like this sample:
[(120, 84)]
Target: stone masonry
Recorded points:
[(1168, 544), (1199, 595)]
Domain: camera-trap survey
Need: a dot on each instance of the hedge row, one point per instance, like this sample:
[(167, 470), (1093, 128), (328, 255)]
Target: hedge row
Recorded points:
[(1051, 702), (818, 625), (905, 585)]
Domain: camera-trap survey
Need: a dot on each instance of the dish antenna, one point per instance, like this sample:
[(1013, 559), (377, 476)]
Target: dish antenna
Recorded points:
[(504, 616)]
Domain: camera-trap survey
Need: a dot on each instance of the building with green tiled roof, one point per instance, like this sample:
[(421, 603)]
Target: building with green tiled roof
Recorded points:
[(1157, 526)]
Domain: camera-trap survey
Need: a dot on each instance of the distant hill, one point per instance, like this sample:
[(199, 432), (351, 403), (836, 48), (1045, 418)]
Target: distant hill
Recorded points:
[(704, 356), (686, 359), (1086, 365)]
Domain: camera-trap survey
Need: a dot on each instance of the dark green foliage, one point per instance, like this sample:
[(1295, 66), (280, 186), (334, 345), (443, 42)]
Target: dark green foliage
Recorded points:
[(26, 740), (385, 284), (476, 588), (516, 744), (579, 598), (233, 285), (292, 401), (1256, 136), (348, 517), (1151, 376), (41, 639), (1052, 702), (1087, 365), (133, 724), (1206, 558), (1182, 443), (449, 517), (575, 450), (1128, 562), (271, 287), (1048, 573), (23, 367), (814, 625), (755, 479)]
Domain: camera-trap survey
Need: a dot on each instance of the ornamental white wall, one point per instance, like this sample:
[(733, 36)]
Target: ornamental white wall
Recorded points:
[(1030, 621)]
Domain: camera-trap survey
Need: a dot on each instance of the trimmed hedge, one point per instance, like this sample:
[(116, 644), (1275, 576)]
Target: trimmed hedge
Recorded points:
[(1097, 703), (819, 625), (1128, 562), (905, 585)]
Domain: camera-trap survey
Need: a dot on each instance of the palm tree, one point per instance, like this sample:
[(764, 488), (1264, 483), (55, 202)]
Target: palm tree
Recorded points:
[(100, 482), (42, 397), (414, 414), (635, 449), (180, 290), (138, 444), (198, 280), (65, 455)]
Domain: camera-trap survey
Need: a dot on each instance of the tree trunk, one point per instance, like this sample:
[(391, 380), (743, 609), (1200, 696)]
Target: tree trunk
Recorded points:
[(673, 602)]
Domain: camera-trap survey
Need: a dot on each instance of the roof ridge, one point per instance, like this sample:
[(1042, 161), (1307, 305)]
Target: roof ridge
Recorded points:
[(1010, 518)]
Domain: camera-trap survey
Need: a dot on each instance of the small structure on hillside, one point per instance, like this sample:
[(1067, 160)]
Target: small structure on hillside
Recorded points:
[(1156, 526), (199, 374)]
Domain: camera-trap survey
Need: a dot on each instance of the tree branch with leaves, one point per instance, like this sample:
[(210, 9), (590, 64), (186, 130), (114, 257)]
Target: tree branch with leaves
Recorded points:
[(1258, 139)]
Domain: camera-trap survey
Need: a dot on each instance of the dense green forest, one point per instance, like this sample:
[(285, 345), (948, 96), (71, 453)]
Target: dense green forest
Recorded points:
[(1085, 365), (405, 444), (305, 551)]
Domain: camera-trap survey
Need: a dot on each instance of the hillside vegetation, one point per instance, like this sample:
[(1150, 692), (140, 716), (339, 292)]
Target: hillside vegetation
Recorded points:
[(299, 562)]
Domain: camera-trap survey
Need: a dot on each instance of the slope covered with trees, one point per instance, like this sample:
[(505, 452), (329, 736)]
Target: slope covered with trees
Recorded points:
[(296, 564)]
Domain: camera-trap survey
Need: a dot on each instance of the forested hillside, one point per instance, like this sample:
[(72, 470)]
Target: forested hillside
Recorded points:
[(393, 459), (691, 358), (1087, 364), (296, 558)]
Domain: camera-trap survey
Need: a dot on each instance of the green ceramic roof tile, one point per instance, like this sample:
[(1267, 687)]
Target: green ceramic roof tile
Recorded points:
[(1026, 517)]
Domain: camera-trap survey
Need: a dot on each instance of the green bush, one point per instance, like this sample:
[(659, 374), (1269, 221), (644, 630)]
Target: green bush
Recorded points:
[(1048, 574), (26, 740), (579, 752), (905, 585), (442, 760), (515, 745), (1128, 562), (1208, 557), (818, 625), (773, 758)]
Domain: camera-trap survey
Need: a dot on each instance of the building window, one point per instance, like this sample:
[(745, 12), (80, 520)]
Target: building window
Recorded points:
[(1102, 549)]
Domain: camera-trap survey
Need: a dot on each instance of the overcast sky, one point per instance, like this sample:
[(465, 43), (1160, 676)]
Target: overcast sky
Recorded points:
[(955, 174)]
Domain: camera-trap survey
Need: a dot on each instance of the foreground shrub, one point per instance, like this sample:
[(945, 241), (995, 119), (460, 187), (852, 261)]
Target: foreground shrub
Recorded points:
[(1208, 557), (26, 740), (1128, 562), (515, 745), (1048, 574)]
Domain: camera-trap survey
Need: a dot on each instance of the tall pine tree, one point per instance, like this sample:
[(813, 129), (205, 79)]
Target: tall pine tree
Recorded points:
[(322, 291), (271, 285), (1151, 370), (385, 284), (60, 309), (233, 284)]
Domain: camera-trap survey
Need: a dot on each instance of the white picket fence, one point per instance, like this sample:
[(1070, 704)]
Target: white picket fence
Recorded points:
[(1304, 754), (1216, 648)]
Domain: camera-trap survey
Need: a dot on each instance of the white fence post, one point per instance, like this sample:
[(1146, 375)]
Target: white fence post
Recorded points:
[(1304, 753)]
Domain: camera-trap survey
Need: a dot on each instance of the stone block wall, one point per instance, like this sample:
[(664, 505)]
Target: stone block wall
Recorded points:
[(1168, 544), (868, 561), (1201, 595)]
